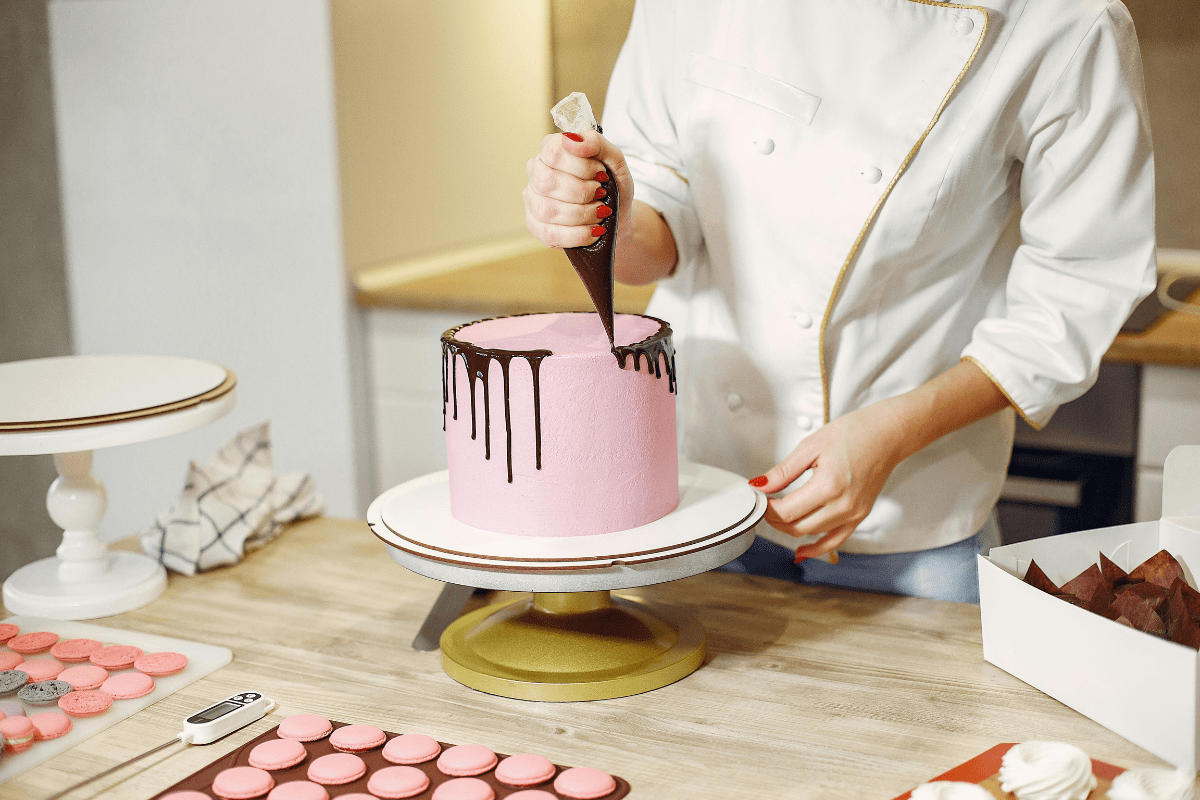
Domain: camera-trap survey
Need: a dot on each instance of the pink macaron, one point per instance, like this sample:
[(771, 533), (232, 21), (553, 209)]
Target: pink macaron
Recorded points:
[(85, 704), (30, 643), (7, 631), (42, 669), (277, 754), (298, 790), (50, 725), (18, 734), (357, 738), (128, 685), (466, 759), (336, 768), (411, 748), (75, 650), (395, 783), (464, 789), (525, 769), (84, 676), (185, 795), (524, 794), (159, 665), (304, 728), (10, 660), (584, 783), (116, 656), (242, 783)]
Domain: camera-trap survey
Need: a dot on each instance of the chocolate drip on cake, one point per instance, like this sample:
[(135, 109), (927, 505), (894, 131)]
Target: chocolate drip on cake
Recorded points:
[(477, 361), (654, 347), (594, 263)]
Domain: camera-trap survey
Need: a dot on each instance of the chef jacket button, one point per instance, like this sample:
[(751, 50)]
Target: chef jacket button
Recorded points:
[(872, 174), (765, 146), (734, 401), (802, 320), (964, 25), (804, 423)]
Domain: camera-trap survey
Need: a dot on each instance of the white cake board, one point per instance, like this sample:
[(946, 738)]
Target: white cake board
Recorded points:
[(202, 660), (69, 407), (713, 524)]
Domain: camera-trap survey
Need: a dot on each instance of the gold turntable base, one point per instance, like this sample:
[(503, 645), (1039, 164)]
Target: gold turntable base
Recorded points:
[(564, 646)]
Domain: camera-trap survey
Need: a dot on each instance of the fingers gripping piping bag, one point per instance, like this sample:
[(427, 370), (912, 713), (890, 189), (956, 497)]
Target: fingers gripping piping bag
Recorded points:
[(594, 262)]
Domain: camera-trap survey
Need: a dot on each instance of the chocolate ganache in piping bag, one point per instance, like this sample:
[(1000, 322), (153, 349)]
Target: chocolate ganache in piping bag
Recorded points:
[(594, 262)]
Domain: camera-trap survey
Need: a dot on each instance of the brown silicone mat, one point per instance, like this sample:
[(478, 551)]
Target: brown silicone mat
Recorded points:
[(201, 780), (984, 768)]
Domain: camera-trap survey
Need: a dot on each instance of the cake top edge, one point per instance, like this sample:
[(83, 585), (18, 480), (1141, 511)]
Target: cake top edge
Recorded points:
[(556, 333)]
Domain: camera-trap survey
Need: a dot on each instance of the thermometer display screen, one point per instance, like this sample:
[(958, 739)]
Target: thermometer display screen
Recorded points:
[(209, 714)]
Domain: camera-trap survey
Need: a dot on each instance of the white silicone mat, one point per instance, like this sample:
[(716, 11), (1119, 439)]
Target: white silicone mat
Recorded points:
[(202, 660)]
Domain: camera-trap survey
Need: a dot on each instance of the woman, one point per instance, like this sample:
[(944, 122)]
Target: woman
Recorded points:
[(880, 228)]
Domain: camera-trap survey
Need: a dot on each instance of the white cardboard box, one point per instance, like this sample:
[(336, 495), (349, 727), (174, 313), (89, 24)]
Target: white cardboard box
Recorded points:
[(1137, 685)]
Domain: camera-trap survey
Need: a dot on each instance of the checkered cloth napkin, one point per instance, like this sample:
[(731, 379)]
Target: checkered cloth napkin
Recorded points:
[(231, 506)]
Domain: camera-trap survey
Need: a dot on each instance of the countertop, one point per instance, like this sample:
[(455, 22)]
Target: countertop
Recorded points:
[(806, 691), (540, 280)]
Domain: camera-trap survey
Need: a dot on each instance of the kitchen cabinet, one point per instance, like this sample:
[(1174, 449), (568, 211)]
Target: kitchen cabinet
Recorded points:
[(1170, 416)]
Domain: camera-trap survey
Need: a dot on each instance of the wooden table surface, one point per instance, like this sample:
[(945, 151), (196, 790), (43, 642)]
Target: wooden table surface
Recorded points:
[(806, 692)]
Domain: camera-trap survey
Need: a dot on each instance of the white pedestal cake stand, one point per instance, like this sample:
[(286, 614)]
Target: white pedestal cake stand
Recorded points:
[(572, 640), (69, 407)]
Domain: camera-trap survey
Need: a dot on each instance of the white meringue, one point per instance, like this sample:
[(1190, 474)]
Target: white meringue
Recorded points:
[(1047, 771), (1153, 784), (950, 790)]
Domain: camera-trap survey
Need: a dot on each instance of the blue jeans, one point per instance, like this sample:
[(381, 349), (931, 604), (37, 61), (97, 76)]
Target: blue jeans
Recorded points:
[(942, 573)]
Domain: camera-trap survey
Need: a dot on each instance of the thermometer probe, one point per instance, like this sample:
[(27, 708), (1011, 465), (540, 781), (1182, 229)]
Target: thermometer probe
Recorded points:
[(203, 727)]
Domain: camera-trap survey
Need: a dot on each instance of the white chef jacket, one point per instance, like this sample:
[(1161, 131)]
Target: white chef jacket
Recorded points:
[(862, 192)]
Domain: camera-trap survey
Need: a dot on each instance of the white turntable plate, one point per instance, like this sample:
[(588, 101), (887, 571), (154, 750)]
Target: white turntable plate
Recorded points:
[(712, 503), (82, 389), (713, 524)]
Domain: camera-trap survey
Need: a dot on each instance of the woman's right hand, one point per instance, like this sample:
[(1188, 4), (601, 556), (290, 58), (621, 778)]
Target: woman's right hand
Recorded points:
[(562, 197)]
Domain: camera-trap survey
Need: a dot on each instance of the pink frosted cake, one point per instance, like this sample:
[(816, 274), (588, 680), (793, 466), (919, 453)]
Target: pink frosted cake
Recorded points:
[(547, 434)]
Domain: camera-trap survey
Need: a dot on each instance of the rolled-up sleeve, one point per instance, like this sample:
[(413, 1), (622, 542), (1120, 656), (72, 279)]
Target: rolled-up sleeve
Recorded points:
[(639, 117), (1087, 251)]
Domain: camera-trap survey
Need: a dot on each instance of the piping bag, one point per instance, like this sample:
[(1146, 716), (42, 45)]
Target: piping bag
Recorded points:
[(593, 263)]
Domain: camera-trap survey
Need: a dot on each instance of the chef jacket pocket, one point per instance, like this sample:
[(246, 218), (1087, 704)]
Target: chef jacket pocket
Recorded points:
[(753, 87)]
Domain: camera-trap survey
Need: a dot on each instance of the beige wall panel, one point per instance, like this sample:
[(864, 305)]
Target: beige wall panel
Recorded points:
[(1169, 35), (439, 106), (587, 37)]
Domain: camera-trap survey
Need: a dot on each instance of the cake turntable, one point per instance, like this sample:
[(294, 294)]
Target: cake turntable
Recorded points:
[(68, 407), (572, 640)]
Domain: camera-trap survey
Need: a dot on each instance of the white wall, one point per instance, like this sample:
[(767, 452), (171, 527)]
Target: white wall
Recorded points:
[(199, 180)]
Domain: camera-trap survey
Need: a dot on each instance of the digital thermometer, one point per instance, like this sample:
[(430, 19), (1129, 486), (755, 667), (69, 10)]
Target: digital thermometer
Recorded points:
[(203, 727), (219, 719)]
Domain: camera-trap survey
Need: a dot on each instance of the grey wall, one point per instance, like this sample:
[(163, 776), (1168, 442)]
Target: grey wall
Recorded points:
[(34, 318)]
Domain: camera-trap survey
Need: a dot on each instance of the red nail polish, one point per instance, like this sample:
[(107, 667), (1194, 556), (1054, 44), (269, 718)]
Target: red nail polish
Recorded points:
[(600, 194), (574, 137), (602, 177), (603, 211), (758, 482), (599, 230), (800, 559)]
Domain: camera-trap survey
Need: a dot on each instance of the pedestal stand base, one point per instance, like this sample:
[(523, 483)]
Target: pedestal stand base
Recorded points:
[(131, 581), (564, 646)]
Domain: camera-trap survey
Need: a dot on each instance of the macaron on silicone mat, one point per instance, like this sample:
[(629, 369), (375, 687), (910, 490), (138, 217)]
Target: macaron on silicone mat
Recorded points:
[(202, 660), (202, 780)]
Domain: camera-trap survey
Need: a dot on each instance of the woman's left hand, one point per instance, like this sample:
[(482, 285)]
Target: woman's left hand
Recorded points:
[(851, 459)]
